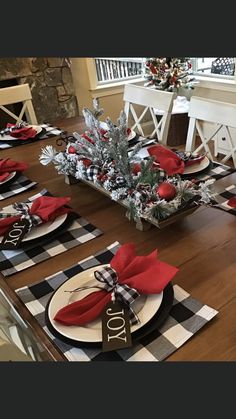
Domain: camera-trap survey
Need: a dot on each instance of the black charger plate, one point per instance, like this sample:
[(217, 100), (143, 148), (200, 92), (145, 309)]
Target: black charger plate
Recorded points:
[(5, 186)]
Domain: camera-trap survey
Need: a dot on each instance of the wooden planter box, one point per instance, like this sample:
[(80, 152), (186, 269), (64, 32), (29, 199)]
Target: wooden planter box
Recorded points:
[(142, 224)]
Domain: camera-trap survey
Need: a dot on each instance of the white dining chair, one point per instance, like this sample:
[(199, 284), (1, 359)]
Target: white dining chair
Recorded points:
[(221, 116), (149, 99), (18, 94)]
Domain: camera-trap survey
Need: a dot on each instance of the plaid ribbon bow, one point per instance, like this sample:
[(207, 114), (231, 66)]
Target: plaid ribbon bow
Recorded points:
[(23, 210), (109, 278)]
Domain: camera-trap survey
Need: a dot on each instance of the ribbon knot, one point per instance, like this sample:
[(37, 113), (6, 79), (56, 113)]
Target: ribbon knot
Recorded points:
[(126, 294), (23, 209)]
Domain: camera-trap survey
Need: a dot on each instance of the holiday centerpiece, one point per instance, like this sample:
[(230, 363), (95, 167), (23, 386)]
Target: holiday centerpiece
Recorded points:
[(103, 158)]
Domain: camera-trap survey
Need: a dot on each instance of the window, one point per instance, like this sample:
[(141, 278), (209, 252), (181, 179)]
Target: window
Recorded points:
[(118, 69), (221, 67), (109, 70)]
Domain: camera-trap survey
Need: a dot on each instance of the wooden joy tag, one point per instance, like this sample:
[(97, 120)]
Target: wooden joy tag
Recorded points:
[(115, 327), (14, 236)]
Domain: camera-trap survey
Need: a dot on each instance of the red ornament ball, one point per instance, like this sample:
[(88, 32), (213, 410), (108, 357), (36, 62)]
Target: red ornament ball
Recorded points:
[(166, 191), (86, 162), (71, 149), (136, 168), (102, 177)]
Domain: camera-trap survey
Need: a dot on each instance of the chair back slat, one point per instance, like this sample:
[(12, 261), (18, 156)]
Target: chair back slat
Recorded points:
[(17, 94), (149, 99), (222, 116)]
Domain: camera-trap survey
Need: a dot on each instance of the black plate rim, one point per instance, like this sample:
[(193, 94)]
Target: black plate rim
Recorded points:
[(42, 240), (4, 187)]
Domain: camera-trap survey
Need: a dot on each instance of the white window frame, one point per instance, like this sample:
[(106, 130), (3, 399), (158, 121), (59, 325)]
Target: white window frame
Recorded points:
[(214, 81), (219, 81), (124, 78), (96, 84)]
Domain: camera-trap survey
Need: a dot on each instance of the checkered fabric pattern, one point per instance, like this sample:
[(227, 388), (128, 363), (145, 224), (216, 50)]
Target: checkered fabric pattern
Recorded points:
[(186, 317), (50, 132), (23, 209), (78, 232), (92, 172), (216, 171), (223, 197), (123, 292), (21, 184)]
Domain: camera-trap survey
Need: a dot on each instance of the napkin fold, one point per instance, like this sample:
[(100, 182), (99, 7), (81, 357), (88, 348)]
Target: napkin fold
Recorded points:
[(195, 160), (22, 133), (4, 176), (232, 202), (146, 274), (173, 162), (48, 208), (7, 166), (167, 159)]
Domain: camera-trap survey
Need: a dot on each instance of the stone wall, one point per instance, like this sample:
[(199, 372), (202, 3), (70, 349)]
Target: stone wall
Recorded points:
[(51, 85)]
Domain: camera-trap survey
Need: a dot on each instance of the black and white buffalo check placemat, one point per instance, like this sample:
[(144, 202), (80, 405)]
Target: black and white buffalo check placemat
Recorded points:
[(77, 232), (186, 317), (21, 184), (223, 197), (48, 131), (215, 171)]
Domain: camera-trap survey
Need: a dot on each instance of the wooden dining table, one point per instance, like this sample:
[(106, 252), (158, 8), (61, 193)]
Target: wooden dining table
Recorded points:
[(202, 245)]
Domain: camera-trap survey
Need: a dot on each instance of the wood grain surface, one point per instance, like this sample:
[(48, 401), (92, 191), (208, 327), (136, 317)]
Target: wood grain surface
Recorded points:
[(202, 246)]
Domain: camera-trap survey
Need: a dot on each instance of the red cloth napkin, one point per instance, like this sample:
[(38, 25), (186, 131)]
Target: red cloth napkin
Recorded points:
[(232, 202), (23, 133), (7, 166), (48, 208), (146, 274), (4, 176), (168, 160), (194, 160)]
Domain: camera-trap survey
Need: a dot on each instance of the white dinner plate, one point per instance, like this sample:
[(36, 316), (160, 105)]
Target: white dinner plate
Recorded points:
[(194, 168), (131, 135), (8, 137), (10, 176), (42, 229), (144, 306)]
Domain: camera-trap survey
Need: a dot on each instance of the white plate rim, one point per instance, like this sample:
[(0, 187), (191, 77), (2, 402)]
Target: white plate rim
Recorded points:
[(9, 138), (84, 333), (197, 167), (11, 176), (41, 230)]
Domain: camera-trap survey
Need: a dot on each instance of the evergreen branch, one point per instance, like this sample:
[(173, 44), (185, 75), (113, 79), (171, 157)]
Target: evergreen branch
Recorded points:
[(161, 211), (132, 211)]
